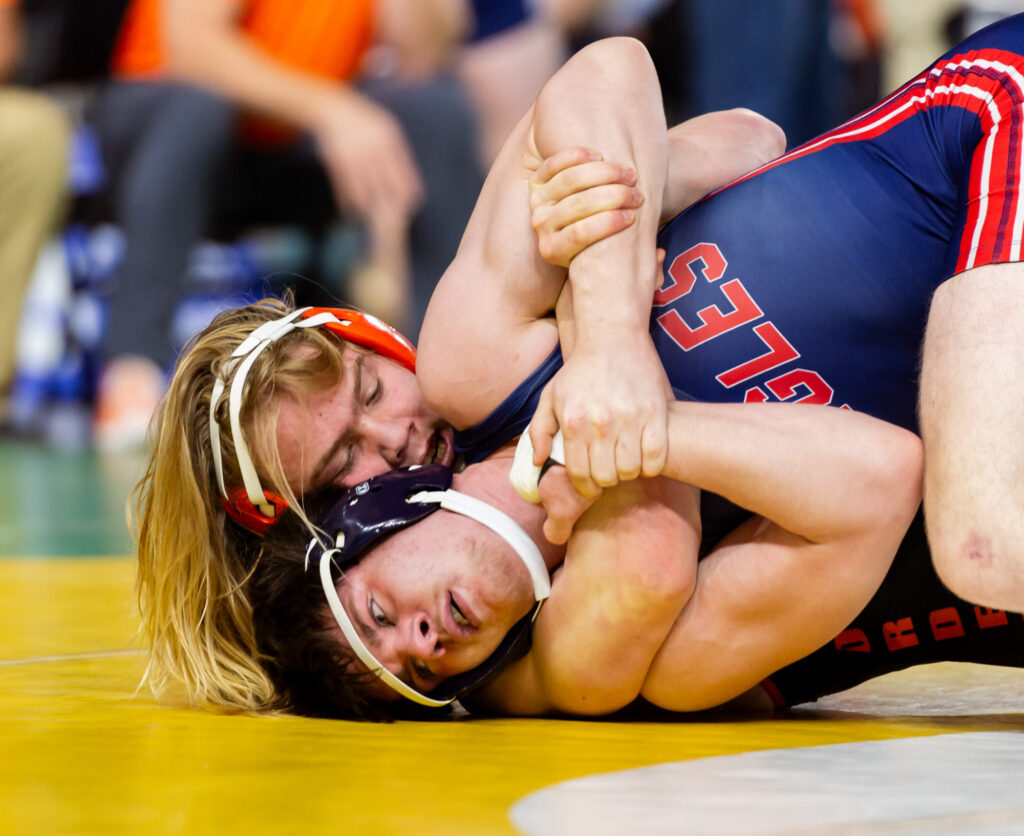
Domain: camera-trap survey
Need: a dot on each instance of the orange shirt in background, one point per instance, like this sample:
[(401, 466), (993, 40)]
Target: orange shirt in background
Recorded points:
[(327, 38)]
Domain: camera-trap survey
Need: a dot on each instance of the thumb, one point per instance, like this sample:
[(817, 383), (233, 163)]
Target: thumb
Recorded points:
[(543, 427)]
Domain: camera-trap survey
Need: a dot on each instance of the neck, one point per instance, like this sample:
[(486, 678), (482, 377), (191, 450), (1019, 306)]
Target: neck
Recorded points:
[(488, 481)]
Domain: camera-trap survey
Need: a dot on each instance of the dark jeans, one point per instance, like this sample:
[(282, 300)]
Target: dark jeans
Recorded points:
[(772, 56), (175, 169)]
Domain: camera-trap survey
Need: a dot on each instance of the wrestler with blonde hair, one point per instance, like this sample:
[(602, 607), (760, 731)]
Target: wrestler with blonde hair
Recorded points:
[(196, 527)]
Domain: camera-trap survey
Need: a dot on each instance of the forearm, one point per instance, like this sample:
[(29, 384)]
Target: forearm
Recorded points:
[(972, 422), (820, 472), (764, 598), (205, 47), (835, 492), (10, 41), (607, 98), (628, 572)]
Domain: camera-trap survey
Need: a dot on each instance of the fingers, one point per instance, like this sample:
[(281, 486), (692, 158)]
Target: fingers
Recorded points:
[(589, 464), (561, 245), (654, 448), (543, 426), (564, 506), (579, 178), (577, 199), (544, 170)]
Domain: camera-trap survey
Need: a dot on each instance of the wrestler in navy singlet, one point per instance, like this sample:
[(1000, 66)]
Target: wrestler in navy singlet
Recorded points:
[(810, 280)]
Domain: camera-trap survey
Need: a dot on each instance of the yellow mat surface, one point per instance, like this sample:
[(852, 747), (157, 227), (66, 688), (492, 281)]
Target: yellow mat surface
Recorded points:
[(81, 752)]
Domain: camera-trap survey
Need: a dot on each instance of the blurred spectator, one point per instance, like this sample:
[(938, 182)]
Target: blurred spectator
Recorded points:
[(514, 46), (916, 34), (773, 56), (33, 159), (398, 151), (511, 50)]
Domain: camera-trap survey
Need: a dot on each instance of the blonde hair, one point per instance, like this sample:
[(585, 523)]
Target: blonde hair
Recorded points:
[(194, 562)]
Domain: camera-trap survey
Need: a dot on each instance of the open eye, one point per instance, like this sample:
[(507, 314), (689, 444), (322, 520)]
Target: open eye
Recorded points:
[(378, 615)]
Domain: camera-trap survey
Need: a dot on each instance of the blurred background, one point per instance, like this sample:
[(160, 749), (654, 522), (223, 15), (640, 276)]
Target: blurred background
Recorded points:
[(163, 159)]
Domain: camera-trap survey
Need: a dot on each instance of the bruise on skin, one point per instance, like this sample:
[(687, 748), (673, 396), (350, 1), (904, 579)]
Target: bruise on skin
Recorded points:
[(979, 550)]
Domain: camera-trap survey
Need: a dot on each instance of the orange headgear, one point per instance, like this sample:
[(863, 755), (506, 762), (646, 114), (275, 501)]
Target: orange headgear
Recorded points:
[(251, 506)]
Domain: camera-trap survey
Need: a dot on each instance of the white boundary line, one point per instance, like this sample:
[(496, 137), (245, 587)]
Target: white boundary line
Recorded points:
[(70, 657)]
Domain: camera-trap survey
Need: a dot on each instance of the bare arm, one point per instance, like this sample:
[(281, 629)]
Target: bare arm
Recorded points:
[(576, 202), (972, 422), (492, 308), (10, 40), (787, 581), (604, 441), (627, 573), (363, 148), (490, 320), (840, 489), (610, 398)]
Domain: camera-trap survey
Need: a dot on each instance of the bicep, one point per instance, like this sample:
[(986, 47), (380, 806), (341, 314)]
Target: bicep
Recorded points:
[(487, 328), (628, 572)]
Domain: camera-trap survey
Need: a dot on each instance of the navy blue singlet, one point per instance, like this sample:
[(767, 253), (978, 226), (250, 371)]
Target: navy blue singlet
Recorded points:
[(809, 280)]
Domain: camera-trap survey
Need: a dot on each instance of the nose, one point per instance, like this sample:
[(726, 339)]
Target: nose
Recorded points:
[(386, 439), (383, 446), (421, 639)]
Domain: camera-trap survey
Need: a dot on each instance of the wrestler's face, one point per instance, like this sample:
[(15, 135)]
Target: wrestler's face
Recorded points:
[(372, 421), (435, 600)]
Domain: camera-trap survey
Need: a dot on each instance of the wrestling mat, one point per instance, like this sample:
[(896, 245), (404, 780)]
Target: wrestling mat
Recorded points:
[(934, 750)]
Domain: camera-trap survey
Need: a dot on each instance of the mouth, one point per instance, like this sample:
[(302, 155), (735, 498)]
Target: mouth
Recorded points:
[(441, 449), (459, 619)]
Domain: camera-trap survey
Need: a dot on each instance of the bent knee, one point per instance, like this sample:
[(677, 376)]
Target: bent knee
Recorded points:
[(974, 568), (768, 137), (33, 130)]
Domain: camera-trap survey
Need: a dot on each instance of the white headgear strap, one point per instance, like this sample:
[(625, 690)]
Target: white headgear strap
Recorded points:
[(243, 358)]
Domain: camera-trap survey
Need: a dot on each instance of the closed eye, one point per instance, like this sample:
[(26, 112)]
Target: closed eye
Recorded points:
[(376, 394)]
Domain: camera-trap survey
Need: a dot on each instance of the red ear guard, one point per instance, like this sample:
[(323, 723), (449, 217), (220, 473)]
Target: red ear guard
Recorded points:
[(240, 508), (244, 505), (369, 332)]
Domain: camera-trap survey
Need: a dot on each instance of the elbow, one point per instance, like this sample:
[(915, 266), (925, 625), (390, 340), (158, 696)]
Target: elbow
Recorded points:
[(190, 46), (618, 67), (183, 55), (659, 586), (892, 484), (905, 461), (766, 139)]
